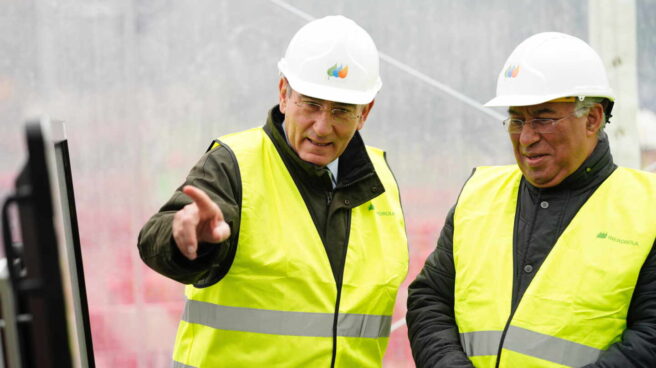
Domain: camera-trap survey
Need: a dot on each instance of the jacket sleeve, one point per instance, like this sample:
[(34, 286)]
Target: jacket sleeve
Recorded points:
[(432, 328), (638, 345), (217, 174)]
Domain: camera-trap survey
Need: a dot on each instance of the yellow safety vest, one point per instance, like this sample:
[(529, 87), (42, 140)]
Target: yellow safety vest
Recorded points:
[(277, 305), (577, 303)]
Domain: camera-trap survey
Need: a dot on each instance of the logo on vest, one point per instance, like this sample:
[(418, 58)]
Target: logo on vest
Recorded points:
[(604, 235), (380, 213)]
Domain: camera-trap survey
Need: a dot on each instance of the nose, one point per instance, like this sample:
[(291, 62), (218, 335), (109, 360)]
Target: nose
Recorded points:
[(323, 123), (528, 135)]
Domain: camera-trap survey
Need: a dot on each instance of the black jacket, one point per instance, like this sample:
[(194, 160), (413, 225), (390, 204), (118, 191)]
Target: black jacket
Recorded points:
[(217, 173), (432, 330)]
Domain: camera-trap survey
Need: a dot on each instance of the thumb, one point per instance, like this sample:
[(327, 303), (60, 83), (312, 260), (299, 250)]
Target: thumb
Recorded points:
[(220, 231)]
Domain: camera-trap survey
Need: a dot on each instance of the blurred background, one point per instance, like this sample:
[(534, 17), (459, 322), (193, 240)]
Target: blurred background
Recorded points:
[(143, 86)]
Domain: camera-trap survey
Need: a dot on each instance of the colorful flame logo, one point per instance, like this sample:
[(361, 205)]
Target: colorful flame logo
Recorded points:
[(338, 71), (512, 71)]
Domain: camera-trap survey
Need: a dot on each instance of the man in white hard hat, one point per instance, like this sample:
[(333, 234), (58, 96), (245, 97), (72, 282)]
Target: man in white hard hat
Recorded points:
[(550, 262), (290, 237)]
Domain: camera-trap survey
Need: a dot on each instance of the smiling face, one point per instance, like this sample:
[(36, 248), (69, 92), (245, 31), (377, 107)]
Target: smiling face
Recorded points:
[(547, 159), (318, 137)]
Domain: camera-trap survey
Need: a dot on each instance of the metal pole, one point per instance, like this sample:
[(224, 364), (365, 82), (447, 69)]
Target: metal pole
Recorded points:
[(10, 322), (612, 32)]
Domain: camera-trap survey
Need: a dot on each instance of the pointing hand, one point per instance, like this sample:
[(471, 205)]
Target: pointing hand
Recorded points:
[(200, 221)]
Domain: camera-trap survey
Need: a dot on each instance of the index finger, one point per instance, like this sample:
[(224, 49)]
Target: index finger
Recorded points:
[(202, 200)]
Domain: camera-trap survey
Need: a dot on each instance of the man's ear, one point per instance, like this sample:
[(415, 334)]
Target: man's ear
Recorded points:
[(283, 87), (365, 113), (594, 119)]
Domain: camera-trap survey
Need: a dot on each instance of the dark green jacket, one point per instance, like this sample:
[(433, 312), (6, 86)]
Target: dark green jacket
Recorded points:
[(217, 173)]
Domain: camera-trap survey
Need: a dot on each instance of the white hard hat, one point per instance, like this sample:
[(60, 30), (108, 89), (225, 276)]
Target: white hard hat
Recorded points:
[(549, 66), (333, 59)]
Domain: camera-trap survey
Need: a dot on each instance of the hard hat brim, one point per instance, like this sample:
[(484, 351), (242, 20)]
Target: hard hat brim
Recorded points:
[(529, 100), (518, 100), (329, 93)]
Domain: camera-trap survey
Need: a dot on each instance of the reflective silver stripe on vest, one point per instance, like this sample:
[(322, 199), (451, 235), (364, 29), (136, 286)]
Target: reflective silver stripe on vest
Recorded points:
[(553, 349), (481, 342), (285, 323), (180, 365), (523, 341)]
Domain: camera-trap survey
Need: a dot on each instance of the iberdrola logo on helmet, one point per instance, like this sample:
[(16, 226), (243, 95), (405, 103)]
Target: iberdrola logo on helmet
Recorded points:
[(512, 71), (337, 71)]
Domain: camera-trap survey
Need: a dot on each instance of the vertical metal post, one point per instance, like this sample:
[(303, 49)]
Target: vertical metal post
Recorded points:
[(10, 322), (612, 32)]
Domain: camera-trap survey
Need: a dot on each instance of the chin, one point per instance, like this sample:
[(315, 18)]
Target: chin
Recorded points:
[(542, 182), (319, 161), (535, 180)]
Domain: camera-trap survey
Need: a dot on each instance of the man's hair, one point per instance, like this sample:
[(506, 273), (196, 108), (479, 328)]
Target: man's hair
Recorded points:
[(584, 106)]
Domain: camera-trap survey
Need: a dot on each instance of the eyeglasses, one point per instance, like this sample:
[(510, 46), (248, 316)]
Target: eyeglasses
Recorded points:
[(541, 125), (338, 114)]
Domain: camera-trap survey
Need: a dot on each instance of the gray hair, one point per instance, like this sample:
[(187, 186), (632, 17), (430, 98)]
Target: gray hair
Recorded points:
[(583, 107)]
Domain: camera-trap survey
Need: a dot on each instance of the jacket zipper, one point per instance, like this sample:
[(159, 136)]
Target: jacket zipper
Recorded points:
[(503, 336), (339, 290), (329, 198), (334, 356)]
